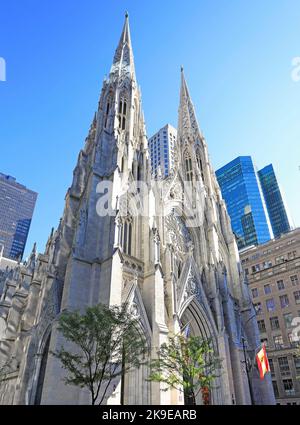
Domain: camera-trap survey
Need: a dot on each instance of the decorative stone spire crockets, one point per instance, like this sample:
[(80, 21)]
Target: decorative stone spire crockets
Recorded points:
[(187, 121), (123, 60)]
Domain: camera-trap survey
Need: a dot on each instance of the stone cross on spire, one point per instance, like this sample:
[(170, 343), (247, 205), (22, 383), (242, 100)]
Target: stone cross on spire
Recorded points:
[(123, 60)]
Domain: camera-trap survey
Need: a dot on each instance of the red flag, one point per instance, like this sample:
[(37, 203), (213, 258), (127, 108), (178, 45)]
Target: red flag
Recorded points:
[(262, 362)]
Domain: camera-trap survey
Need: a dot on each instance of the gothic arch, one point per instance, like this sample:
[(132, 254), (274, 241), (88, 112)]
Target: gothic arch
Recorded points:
[(136, 379), (188, 165), (107, 108), (41, 358), (199, 161), (123, 108), (194, 314)]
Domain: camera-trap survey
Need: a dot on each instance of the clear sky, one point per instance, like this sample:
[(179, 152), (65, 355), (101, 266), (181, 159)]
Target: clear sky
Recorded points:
[(237, 57)]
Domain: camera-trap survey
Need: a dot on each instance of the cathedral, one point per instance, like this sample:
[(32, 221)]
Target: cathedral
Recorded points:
[(163, 246)]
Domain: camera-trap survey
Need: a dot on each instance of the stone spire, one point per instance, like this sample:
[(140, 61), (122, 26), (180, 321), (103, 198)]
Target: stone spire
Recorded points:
[(123, 61), (187, 121), (32, 257)]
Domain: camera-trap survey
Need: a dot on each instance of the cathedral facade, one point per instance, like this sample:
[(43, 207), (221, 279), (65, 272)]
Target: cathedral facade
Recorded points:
[(164, 247)]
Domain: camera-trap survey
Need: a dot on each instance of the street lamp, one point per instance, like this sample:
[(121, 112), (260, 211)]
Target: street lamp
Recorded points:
[(248, 366), (248, 363)]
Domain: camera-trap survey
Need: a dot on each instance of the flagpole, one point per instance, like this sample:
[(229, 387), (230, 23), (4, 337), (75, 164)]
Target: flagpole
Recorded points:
[(247, 372)]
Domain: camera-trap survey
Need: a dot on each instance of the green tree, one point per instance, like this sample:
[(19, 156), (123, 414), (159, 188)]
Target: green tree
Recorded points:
[(107, 344), (4, 370), (187, 364)]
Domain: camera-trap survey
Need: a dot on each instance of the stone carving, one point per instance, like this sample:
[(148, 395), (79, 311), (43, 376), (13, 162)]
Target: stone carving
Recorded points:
[(81, 233), (178, 233), (192, 288), (134, 310), (79, 175), (156, 240)]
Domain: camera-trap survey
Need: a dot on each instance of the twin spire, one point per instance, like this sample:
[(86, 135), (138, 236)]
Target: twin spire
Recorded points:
[(187, 121), (123, 62)]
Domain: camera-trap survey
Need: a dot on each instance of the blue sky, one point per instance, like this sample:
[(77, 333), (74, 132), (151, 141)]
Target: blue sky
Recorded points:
[(237, 57)]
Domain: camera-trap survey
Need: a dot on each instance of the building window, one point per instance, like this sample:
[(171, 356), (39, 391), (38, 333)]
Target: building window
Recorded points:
[(264, 341), (284, 301), (107, 109), (122, 113), (126, 235), (279, 260), (254, 292), (292, 255), (270, 303), (294, 280), (275, 388), (257, 307), (297, 365), (292, 340), (261, 325), (272, 367), (288, 386), (188, 166), (267, 289), (297, 297), (278, 342), (284, 366), (280, 285), (274, 323), (288, 317)]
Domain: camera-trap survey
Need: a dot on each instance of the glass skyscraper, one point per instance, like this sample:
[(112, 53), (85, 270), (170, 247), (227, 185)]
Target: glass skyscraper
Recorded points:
[(244, 200), (16, 209), (274, 202)]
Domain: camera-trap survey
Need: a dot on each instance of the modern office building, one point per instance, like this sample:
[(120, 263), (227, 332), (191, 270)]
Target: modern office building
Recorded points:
[(16, 209), (6, 264), (161, 147), (244, 200), (274, 201), (273, 271)]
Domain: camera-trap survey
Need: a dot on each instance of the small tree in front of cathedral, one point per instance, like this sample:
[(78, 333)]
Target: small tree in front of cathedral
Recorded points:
[(107, 343), (4, 368), (188, 364)]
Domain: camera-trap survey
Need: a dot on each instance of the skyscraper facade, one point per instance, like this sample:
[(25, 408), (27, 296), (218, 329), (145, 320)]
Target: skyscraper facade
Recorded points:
[(16, 209), (161, 147), (245, 204), (275, 205), (273, 271)]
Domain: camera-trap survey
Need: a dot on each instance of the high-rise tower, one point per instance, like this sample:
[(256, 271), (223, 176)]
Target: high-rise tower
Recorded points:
[(16, 209), (274, 201), (245, 202)]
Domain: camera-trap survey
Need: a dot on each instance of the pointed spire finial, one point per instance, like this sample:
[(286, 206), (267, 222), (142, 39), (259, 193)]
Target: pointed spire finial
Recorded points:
[(187, 121), (123, 57), (181, 68)]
